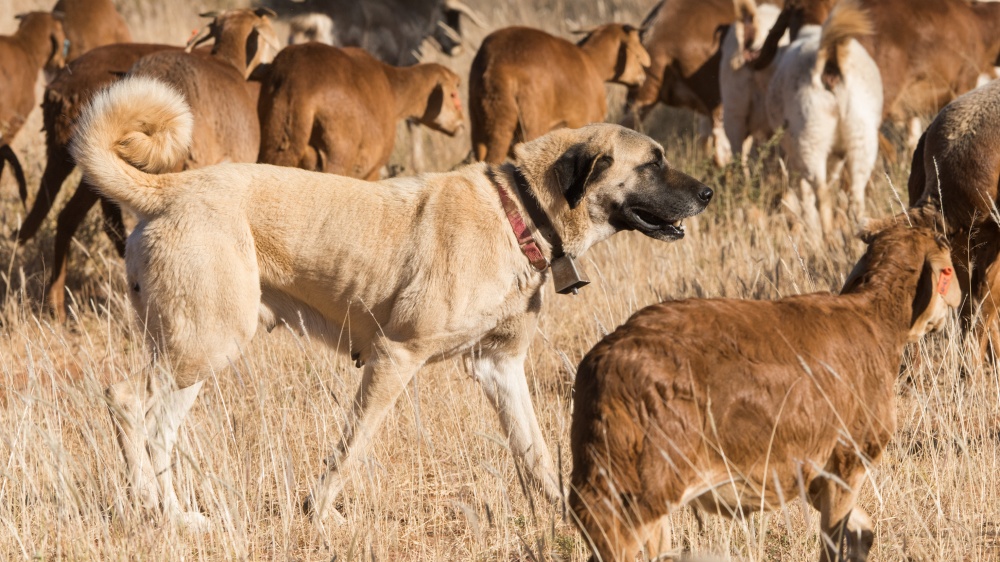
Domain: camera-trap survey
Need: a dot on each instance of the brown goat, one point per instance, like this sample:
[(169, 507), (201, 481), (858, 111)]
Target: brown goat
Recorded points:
[(65, 98), (956, 167), (335, 110), (233, 133), (37, 45), (525, 83), (695, 401), (90, 24), (223, 104), (918, 75)]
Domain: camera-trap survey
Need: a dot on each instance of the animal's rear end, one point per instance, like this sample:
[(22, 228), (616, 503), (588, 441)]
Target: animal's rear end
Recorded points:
[(493, 115), (286, 121)]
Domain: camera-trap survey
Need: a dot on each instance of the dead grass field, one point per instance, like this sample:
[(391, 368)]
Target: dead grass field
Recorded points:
[(439, 484)]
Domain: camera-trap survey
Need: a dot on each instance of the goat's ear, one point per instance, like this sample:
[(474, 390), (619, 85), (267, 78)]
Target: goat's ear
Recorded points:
[(199, 37), (937, 291), (576, 168), (253, 46), (855, 276), (265, 12)]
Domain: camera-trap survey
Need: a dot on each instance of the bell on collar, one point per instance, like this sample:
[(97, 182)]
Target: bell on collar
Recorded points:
[(567, 275)]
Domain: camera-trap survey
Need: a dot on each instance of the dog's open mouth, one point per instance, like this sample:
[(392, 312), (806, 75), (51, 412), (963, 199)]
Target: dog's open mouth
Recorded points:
[(653, 225)]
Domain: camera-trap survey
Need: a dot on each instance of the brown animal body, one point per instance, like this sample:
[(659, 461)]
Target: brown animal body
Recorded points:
[(90, 24), (65, 98), (928, 51), (335, 110), (956, 167), (37, 44), (691, 401), (525, 83), (224, 105)]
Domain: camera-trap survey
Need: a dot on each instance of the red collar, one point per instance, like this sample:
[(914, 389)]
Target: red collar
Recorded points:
[(529, 247)]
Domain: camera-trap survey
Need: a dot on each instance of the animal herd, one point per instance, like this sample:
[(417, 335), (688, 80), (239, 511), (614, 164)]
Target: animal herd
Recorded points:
[(725, 404)]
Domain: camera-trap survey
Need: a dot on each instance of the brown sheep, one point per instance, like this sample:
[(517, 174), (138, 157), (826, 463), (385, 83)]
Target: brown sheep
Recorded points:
[(692, 401), (234, 134), (956, 167), (215, 87), (90, 24), (37, 45), (65, 98), (525, 83), (335, 110)]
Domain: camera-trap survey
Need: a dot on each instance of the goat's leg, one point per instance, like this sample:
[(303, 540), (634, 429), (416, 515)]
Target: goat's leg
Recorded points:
[(501, 376), (386, 375), (836, 504), (69, 221), (610, 527), (989, 301), (58, 167), (7, 155), (723, 153), (657, 540)]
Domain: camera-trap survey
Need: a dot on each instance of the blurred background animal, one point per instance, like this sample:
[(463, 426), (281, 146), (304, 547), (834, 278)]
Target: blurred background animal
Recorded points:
[(525, 82)]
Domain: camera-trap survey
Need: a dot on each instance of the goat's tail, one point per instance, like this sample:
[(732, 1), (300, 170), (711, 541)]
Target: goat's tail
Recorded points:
[(847, 21), (134, 130)]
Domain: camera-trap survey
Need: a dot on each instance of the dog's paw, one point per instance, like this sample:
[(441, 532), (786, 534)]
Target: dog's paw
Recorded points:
[(191, 522)]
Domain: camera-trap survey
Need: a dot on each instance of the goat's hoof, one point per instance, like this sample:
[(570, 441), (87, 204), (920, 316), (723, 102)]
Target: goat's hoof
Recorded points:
[(330, 515)]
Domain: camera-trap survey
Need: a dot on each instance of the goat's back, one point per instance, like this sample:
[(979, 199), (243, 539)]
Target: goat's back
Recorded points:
[(222, 102), (767, 383)]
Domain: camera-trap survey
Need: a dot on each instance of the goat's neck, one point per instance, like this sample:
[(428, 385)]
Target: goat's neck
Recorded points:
[(603, 54), (411, 88), (33, 37), (231, 48), (988, 21), (889, 295)]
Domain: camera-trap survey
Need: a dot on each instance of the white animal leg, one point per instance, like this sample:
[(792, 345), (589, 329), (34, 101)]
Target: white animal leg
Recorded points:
[(916, 129), (503, 381), (163, 422), (723, 148), (127, 406), (386, 375)]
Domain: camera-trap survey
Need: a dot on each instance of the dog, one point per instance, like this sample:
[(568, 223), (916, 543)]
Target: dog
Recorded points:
[(443, 265)]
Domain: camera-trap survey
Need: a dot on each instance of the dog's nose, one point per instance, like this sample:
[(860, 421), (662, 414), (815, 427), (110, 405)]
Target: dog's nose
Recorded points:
[(706, 194)]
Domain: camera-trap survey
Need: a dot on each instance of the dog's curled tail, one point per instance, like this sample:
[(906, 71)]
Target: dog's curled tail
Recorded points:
[(132, 131)]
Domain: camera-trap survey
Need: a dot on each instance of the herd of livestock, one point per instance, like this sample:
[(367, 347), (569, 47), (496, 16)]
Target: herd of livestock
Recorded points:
[(668, 411)]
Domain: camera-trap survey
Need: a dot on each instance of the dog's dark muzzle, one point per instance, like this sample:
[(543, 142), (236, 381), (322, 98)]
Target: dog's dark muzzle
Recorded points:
[(658, 213)]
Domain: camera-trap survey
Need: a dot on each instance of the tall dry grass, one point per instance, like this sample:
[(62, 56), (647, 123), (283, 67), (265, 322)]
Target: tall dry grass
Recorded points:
[(439, 483)]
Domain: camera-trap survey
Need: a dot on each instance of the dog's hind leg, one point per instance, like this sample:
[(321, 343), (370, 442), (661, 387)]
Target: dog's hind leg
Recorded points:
[(503, 381), (127, 403), (163, 422), (389, 370)]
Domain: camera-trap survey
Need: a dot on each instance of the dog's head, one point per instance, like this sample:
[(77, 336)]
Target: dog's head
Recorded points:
[(602, 178)]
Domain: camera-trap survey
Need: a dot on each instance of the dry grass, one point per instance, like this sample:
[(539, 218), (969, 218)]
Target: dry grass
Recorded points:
[(439, 482)]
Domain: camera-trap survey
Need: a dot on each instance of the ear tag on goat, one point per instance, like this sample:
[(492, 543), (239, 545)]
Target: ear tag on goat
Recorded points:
[(65, 51), (567, 275), (944, 281)]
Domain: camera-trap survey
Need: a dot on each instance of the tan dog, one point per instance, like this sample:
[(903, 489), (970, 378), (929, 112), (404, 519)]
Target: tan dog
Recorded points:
[(433, 271)]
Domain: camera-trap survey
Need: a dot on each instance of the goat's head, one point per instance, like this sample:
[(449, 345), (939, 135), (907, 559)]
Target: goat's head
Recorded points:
[(250, 27), (444, 105), (48, 25), (632, 58), (910, 238)]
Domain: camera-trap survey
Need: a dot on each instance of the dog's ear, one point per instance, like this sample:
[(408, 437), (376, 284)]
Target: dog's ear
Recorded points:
[(576, 168)]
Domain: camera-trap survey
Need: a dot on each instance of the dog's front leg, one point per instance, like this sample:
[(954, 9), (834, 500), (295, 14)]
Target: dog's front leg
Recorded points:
[(386, 375), (503, 381)]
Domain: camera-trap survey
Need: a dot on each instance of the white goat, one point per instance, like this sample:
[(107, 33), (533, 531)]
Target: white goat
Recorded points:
[(744, 90), (827, 94)]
